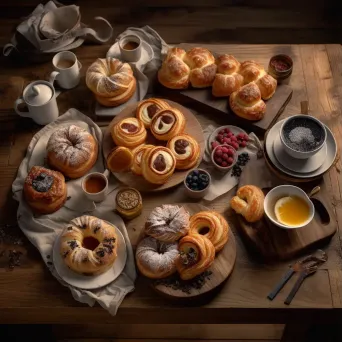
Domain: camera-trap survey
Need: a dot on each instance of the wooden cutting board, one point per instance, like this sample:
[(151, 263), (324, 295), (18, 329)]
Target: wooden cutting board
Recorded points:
[(221, 268), (276, 243)]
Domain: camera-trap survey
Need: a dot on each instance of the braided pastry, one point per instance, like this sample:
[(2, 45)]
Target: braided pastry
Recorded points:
[(111, 81), (147, 109), (249, 202), (212, 225), (247, 103), (197, 254), (129, 132), (227, 80)]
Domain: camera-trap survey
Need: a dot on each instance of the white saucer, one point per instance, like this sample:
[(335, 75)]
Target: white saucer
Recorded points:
[(330, 156), (298, 165), (91, 282)]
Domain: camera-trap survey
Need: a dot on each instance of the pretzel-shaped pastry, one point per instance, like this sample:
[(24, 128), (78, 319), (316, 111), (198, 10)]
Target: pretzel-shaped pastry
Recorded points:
[(249, 202), (197, 254)]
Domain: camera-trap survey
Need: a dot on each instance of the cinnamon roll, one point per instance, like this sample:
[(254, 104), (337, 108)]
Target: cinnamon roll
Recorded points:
[(147, 109), (197, 254), (167, 123), (212, 225), (185, 149), (137, 157), (158, 164), (129, 132)]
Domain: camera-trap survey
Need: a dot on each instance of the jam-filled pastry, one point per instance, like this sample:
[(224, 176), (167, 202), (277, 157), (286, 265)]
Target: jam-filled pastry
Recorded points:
[(137, 158), (120, 159), (167, 123), (89, 245), (158, 164), (72, 150), (197, 254), (129, 132), (185, 149), (128, 203), (249, 202), (45, 190), (147, 109), (156, 259), (212, 225), (167, 223)]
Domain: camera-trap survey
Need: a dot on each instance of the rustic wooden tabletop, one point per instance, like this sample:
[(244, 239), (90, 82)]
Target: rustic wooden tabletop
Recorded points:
[(29, 293)]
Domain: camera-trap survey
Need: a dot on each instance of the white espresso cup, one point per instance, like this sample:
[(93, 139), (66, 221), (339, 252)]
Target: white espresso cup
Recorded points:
[(67, 70), (101, 178), (130, 48), (40, 99)]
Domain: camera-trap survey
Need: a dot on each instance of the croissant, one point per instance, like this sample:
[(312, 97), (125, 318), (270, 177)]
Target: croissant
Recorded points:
[(227, 80), (197, 254), (249, 202), (147, 109), (212, 225), (111, 81), (247, 103)]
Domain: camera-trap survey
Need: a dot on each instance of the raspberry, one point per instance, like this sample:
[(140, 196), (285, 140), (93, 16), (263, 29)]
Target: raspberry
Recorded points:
[(235, 145), (224, 149), (224, 164), (243, 144), (219, 160), (214, 144), (230, 161), (230, 134), (230, 153), (227, 130), (233, 138), (218, 153), (225, 156)]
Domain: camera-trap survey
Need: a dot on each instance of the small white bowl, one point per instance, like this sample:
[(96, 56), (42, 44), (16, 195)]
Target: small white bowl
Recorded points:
[(197, 193), (224, 168), (301, 154), (282, 191)]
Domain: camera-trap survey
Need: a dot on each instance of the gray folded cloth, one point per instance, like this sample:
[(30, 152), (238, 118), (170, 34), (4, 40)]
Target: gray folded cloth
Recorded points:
[(42, 230)]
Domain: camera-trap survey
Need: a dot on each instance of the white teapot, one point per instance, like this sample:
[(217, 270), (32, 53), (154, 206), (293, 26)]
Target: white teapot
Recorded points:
[(40, 98)]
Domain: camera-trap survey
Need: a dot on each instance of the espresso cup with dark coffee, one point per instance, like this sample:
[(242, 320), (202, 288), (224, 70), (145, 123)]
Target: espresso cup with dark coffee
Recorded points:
[(130, 48), (302, 136), (67, 70)]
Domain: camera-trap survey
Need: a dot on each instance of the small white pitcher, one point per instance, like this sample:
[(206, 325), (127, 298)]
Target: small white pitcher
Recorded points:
[(40, 99)]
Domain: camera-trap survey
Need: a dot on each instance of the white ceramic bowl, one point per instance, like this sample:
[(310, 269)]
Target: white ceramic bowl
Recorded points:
[(224, 168), (197, 193), (299, 154), (283, 191)]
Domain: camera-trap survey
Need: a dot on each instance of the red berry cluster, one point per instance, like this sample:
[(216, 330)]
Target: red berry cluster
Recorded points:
[(224, 156), (225, 136)]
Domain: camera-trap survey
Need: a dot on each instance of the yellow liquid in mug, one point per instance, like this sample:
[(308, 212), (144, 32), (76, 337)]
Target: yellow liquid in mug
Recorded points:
[(292, 210)]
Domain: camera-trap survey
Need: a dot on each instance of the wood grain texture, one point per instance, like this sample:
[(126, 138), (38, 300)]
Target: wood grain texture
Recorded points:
[(221, 268), (193, 128)]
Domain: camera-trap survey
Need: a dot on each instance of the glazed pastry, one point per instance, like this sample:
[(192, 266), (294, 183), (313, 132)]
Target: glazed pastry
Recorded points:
[(128, 203), (72, 150), (120, 159), (167, 223), (247, 102), (147, 109), (167, 123), (202, 66), (267, 86), (44, 190), (212, 225), (89, 245), (156, 259), (249, 202), (197, 254), (137, 158), (174, 72), (227, 79), (158, 164), (111, 81), (186, 151), (129, 132)]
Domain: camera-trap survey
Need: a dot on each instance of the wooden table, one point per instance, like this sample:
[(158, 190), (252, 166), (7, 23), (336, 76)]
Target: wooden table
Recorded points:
[(30, 294)]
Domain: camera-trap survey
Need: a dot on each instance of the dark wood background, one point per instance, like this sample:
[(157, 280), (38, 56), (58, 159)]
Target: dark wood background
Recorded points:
[(211, 21)]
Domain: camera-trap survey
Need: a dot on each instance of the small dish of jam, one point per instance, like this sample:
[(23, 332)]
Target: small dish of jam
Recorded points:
[(280, 67)]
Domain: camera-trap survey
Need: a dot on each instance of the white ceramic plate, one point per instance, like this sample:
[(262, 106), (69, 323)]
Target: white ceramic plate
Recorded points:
[(91, 282), (298, 165), (330, 157), (234, 129)]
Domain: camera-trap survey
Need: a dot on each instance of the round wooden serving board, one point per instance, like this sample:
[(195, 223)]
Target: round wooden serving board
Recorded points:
[(221, 268), (193, 128)]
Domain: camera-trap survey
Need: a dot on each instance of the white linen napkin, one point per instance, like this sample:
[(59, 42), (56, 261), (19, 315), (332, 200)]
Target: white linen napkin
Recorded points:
[(42, 230)]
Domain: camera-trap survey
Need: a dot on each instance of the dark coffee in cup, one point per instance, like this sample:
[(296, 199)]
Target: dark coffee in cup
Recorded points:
[(131, 45), (303, 134)]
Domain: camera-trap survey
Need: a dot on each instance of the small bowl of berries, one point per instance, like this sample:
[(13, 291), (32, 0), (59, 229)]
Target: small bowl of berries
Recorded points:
[(229, 135), (224, 157), (197, 183)]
